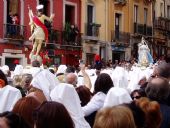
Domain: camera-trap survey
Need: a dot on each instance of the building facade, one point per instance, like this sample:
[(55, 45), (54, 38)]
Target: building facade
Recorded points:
[(141, 24), (119, 30), (130, 20), (161, 27), (94, 24), (61, 47)]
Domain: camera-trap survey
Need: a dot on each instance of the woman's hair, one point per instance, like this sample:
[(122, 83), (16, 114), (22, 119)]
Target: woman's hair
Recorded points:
[(52, 115), (103, 83), (138, 114), (13, 120), (114, 117), (25, 108), (84, 94), (3, 77), (152, 112)]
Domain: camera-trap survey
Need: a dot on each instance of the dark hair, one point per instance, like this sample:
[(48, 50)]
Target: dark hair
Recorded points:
[(70, 69), (52, 71), (103, 83), (138, 114), (141, 93), (3, 77), (51, 115), (25, 108), (84, 94), (36, 63), (158, 91), (14, 120)]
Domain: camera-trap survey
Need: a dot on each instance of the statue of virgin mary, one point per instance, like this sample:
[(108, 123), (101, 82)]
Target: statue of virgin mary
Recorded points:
[(144, 56)]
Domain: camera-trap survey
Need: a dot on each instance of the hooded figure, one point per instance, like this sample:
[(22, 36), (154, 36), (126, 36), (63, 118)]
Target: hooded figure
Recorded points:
[(67, 95), (44, 80), (8, 97), (120, 77), (117, 96)]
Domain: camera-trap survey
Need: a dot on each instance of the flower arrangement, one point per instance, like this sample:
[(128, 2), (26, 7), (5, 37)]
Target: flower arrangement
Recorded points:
[(45, 59)]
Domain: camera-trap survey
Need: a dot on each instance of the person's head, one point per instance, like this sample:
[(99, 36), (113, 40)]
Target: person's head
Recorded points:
[(17, 80), (103, 83), (3, 77), (71, 78), (72, 26), (138, 114), (52, 115), (114, 117), (152, 112), (142, 81), (158, 89), (136, 94), (12, 120), (36, 63), (84, 94), (117, 96), (40, 9), (26, 80), (70, 69), (163, 70), (5, 70), (25, 108)]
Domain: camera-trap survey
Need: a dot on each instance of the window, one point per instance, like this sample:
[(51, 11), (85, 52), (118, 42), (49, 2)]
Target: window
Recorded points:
[(90, 19), (135, 13), (161, 9), (168, 11), (70, 14), (117, 24), (13, 6), (90, 15), (145, 15), (46, 6)]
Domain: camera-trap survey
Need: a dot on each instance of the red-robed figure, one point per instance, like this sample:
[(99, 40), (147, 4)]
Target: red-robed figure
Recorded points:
[(38, 29)]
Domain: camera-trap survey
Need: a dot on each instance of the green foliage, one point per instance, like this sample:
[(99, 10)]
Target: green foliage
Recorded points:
[(67, 31)]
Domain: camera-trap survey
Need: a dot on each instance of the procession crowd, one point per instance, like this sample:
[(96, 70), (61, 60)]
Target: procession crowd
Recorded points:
[(123, 95)]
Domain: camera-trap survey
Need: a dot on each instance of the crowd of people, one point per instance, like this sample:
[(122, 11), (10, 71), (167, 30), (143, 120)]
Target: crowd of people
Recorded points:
[(118, 96)]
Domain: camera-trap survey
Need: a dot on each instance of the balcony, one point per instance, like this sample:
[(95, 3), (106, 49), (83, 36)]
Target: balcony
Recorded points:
[(71, 39), (142, 29), (92, 32), (162, 24), (54, 36), (121, 37), (14, 32), (120, 2)]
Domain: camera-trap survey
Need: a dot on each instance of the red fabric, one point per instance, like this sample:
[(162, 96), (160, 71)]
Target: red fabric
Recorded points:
[(40, 24), (16, 61), (45, 59), (97, 57)]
